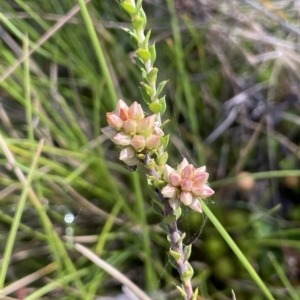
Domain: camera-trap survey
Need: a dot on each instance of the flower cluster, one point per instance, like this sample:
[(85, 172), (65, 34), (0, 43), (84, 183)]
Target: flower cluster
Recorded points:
[(187, 185), (135, 133)]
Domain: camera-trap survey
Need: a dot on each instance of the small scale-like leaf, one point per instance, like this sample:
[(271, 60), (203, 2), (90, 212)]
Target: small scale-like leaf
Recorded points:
[(152, 51), (149, 88), (182, 237), (155, 107), (160, 87), (143, 54), (159, 203), (177, 212), (170, 219), (182, 292), (157, 210), (165, 123), (187, 250), (140, 63), (165, 141), (145, 94), (161, 160), (195, 294), (128, 7), (138, 24), (162, 101), (186, 276), (146, 41), (134, 42), (175, 255), (152, 76), (159, 184)]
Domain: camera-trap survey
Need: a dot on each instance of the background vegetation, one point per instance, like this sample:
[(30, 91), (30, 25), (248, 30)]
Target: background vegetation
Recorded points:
[(233, 70)]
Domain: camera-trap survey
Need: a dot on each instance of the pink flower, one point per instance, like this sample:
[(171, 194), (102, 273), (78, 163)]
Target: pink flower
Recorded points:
[(129, 126), (135, 111), (114, 120), (145, 125), (122, 139), (186, 185), (138, 142), (135, 133), (152, 141), (127, 155)]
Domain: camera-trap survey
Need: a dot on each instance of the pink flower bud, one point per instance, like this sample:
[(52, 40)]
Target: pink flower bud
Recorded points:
[(200, 177), (109, 131), (122, 139), (197, 189), (122, 105), (207, 191), (167, 171), (135, 111), (146, 124), (123, 113), (186, 185), (169, 191), (182, 165), (186, 198), (152, 141), (188, 172), (196, 205), (175, 178), (201, 169), (129, 126), (114, 120), (138, 142)]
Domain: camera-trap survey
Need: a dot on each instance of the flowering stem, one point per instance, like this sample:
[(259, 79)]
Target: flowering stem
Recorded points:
[(182, 264), (142, 140)]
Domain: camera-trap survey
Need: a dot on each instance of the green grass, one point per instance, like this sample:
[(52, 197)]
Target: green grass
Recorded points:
[(59, 75)]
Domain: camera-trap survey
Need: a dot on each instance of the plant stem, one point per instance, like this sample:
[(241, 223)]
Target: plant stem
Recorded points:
[(177, 246), (174, 235)]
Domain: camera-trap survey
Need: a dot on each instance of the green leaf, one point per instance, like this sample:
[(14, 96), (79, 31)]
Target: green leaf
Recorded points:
[(128, 8), (161, 160), (143, 54), (175, 255), (157, 210), (159, 203), (152, 76), (177, 212), (186, 276), (134, 42), (140, 64), (182, 292), (164, 123), (155, 107), (145, 94), (146, 41), (182, 237), (152, 51), (138, 24), (195, 294), (187, 250), (148, 88), (170, 219), (159, 184), (165, 141), (160, 87), (162, 101)]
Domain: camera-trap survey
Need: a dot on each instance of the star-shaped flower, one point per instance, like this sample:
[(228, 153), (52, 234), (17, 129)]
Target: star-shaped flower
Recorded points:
[(186, 185)]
